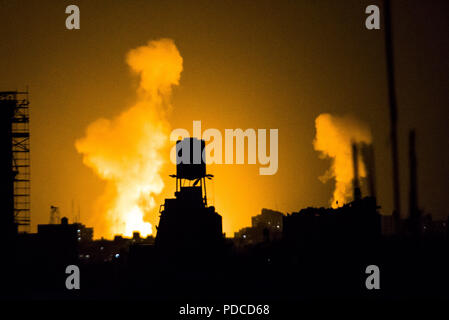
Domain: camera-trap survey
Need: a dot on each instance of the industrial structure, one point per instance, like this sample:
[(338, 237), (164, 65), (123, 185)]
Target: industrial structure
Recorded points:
[(393, 117), (359, 219), (187, 224), (15, 162), (415, 220), (54, 215)]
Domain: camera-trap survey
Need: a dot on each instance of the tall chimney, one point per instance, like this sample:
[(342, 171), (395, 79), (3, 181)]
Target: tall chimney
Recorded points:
[(415, 215), (356, 183), (393, 116), (367, 152)]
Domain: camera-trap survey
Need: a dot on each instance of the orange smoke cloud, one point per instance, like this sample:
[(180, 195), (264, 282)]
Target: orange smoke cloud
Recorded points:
[(127, 151), (333, 139)]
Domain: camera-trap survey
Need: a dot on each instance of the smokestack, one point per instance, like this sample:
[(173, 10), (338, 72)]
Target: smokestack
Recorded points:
[(356, 183), (334, 138), (367, 152), (393, 115), (415, 216)]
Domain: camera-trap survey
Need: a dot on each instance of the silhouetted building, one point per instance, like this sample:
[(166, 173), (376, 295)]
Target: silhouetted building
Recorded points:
[(188, 226), (56, 248), (265, 227), (433, 228), (104, 250), (59, 242), (248, 235), (268, 219), (387, 222), (356, 221)]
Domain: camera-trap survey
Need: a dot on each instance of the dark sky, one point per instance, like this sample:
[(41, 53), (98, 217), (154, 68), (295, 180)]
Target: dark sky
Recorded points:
[(248, 64)]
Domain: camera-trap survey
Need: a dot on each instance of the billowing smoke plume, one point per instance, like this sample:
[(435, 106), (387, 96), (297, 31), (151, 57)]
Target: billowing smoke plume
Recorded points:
[(126, 151), (334, 138)]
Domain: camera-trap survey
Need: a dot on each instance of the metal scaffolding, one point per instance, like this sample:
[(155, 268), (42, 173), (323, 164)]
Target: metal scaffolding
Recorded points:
[(21, 162), (18, 114)]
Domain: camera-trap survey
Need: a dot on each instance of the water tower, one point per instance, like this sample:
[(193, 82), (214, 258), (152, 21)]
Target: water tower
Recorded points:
[(187, 224)]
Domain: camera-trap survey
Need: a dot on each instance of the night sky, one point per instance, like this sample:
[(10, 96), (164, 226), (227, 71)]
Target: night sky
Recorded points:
[(247, 64)]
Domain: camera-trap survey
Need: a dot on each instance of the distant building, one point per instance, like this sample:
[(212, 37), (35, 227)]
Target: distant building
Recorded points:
[(246, 236), (78, 230), (268, 219), (266, 226), (433, 228), (84, 233), (59, 242)]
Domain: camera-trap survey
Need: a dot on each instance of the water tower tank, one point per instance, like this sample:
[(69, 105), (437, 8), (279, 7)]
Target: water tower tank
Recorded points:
[(189, 159)]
